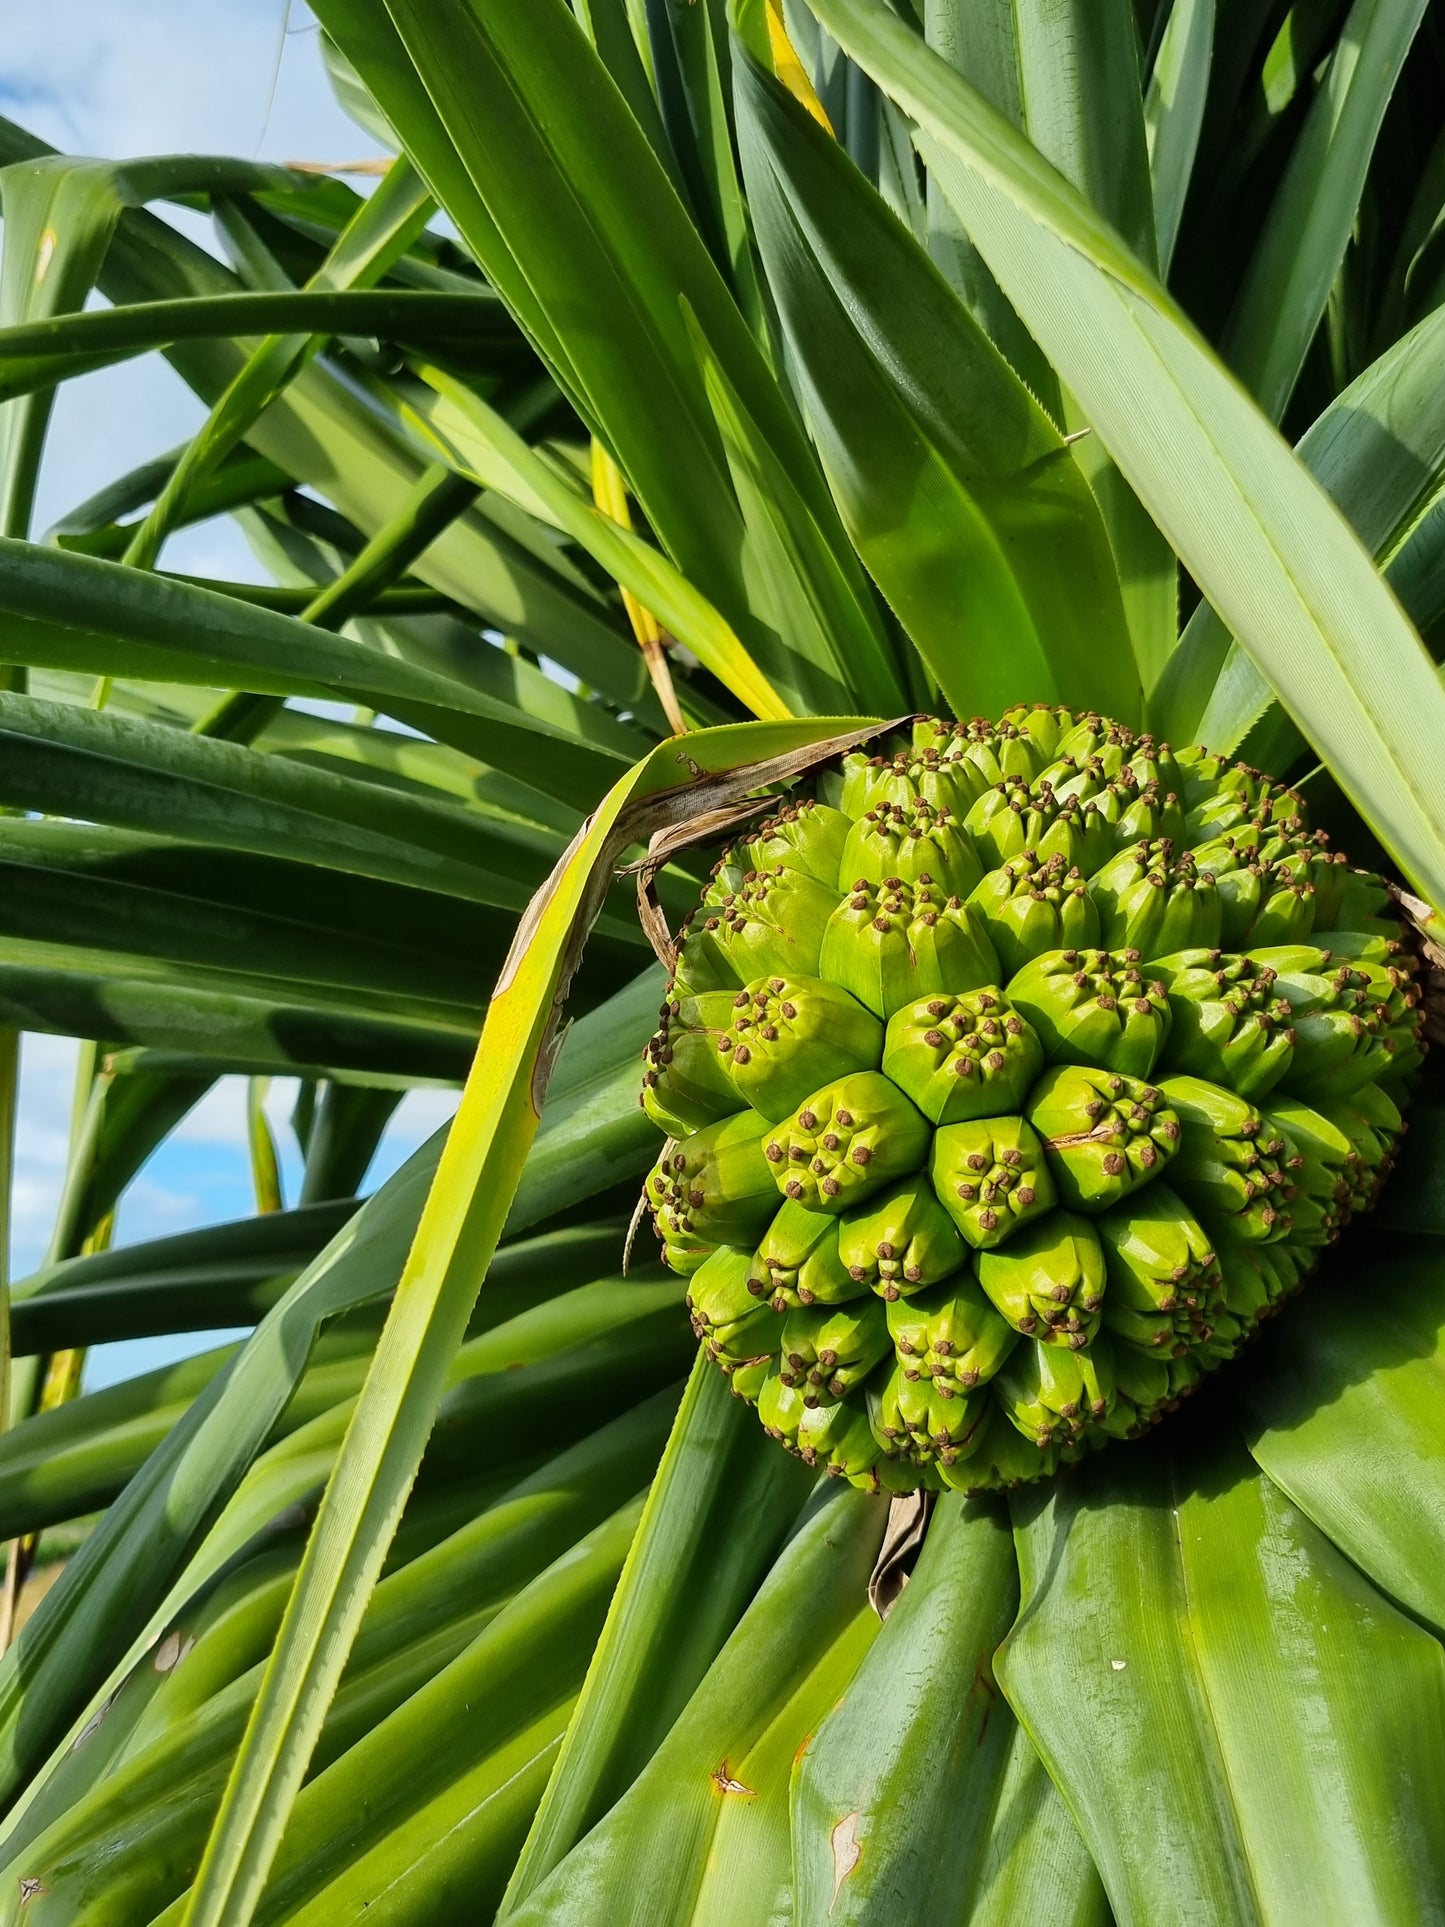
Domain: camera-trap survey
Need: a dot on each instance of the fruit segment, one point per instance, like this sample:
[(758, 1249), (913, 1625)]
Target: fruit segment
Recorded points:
[(845, 1142), (1228, 1024), (911, 843), (1103, 1134), (1095, 1007), (901, 1242), (1034, 904), (1155, 898), (967, 1056), (991, 1178), (787, 1036), (889, 944)]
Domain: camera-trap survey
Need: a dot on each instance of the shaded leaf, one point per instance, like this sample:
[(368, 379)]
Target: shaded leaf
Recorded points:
[(1185, 1627), (957, 488), (1257, 533)]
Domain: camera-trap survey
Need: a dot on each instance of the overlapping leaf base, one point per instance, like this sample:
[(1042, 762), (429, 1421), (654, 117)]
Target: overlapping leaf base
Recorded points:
[(1009, 1081)]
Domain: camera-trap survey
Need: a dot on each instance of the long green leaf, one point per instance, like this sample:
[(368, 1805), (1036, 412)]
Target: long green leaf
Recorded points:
[(378, 233), (126, 1115), (1184, 1627), (195, 1281), (531, 1657), (566, 1364), (61, 760), (690, 58), (526, 141), (1379, 450), (747, 1875), (1080, 105), (1347, 1415), (1299, 253), (40, 354), (114, 1584), (60, 216), (1174, 114), (999, 567), (812, 591), (429, 1608), (649, 1858), (475, 1180), (96, 890), (914, 1800), (75, 1458), (76, 612), (618, 47), (347, 1122), (48, 988), (460, 1845), (715, 1519), (321, 433), (474, 436), (449, 646), (94, 527), (981, 42), (1260, 537)]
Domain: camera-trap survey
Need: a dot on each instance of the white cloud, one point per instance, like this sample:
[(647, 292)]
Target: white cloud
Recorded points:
[(160, 77), (160, 1210), (219, 1118), (241, 77), (47, 1089), (175, 76)]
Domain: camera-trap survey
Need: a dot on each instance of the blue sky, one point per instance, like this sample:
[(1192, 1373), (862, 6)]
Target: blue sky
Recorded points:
[(157, 77)]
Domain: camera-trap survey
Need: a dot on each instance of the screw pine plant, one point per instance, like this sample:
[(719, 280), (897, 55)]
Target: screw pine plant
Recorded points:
[(1076, 1183), (779, 368)]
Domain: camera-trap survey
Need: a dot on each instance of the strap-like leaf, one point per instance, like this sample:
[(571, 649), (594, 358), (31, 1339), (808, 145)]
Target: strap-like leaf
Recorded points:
[(75, 612), (526, 141), (476, 439), (1379, 449), (196, 1281), (1310, 221), (1185, 1626), (715, 1519), (999, 567), (1347, 1403), (670, 1850), (100, 1611), (38, 354), (918, 1798), (1174, 113), (467, 1208), (61, 760), (1257, 533)]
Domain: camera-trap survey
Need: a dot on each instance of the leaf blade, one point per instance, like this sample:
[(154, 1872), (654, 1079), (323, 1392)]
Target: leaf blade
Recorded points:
[(1265, 544), (463, 1219)]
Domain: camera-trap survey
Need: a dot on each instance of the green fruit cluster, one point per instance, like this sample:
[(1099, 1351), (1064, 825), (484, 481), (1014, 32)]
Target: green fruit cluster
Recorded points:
[(1008, 1081)]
